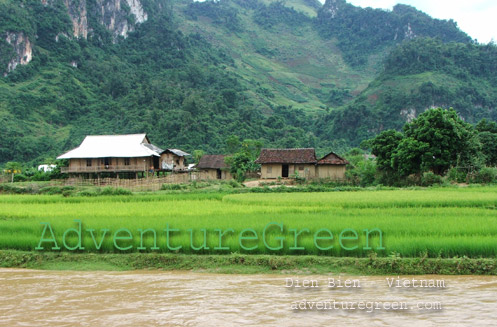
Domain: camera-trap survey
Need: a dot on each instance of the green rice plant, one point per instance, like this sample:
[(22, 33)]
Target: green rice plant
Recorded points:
[(443, 222)]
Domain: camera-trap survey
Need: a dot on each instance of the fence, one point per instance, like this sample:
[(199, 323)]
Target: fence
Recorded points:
[(140, 184)]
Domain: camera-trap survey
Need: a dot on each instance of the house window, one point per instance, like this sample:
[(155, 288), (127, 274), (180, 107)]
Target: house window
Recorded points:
[(177, 161), (301, 167), (269, 169), (88, 162), (126, 161)]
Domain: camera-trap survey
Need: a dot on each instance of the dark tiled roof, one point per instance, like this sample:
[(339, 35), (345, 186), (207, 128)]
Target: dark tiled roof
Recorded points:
[(287, 156), (332, 159), (212, 161)]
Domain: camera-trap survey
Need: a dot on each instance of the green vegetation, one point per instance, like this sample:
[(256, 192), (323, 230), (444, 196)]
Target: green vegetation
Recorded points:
[(282, 73), (437, 143), (362, 32), (243, 156), (249, 264), (444, 222), (418, 75)]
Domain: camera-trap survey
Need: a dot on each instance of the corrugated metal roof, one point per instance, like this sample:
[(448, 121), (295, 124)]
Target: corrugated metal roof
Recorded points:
[(212, 161), (113, 146), (178, 152), (153, 148), (287, 156)]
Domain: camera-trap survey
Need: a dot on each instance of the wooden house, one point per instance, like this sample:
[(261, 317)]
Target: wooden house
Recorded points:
[(173, 160), (213, 166), (120, 154), (284, 163)]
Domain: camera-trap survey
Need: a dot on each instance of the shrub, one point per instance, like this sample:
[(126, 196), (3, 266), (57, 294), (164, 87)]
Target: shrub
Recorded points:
[(430, 179), (51, 190), (234, 183), (485, 175), (171, 187), (114, 191), (20, 178), (66, 193), (40, 176), (87, 193), (14, 189), (122, 191), (456, 175)]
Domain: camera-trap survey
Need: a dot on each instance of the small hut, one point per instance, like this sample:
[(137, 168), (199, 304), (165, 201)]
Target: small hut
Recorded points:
[(174, 160), (214, 167), (284, 163)]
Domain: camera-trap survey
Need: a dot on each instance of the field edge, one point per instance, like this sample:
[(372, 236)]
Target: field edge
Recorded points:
[(248, 264)]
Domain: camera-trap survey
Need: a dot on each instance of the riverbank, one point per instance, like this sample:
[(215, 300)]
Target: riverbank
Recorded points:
[(248, 264)]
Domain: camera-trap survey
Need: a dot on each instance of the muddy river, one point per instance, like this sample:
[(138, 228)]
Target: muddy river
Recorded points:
[(156, 298)]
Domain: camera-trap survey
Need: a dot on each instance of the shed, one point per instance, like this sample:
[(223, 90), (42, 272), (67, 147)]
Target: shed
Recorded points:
[(214, 166)]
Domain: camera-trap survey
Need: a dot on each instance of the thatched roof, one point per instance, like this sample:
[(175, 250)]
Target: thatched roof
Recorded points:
[(212, 161), (332, 159), (114, 146), (287, 156)]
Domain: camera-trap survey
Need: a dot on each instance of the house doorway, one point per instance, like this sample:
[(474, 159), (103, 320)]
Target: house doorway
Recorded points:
[(156, 162), (284, 171), (218, 174)]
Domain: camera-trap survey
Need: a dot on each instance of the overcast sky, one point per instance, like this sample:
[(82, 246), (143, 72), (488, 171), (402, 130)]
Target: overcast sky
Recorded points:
[(478, 18)]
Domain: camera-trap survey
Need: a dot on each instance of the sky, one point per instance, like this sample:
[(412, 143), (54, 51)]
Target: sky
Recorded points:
[(478, 18)]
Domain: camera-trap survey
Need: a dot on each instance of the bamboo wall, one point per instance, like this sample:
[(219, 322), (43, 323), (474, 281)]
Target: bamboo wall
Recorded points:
[(142, 184)]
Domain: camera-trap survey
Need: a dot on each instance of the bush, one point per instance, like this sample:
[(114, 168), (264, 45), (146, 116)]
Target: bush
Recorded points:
[(87, 193), (51, 190), (485, 175), (235, 184), (172, 187), (115, 191), (456, 175), (66, 193), (20, 178), (430, 179), (14, 189), (100, 191)]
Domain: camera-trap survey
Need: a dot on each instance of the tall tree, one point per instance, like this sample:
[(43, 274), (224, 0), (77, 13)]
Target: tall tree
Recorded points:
[(443, 137)]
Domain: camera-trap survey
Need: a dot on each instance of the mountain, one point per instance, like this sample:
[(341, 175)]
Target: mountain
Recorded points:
[(290, 73)]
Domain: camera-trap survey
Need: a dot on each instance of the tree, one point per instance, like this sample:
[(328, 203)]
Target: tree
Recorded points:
[(408, 156), (486, 126), (197, 155), (232, 144), (488, 142), (442, 137), (13, 168), (487, 134), (383, 147), (243, 160), (239, 164)]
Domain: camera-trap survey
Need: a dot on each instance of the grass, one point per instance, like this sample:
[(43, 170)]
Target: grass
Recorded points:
[(432, 223), (249, 264)]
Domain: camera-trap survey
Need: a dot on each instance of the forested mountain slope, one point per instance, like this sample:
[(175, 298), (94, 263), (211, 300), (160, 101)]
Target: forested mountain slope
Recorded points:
[(291, 73)]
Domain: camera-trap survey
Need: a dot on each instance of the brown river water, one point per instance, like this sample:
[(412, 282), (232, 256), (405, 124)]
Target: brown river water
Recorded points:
[(157, 298)]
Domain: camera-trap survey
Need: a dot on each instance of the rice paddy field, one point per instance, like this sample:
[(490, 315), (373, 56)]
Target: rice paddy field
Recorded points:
[(438, 222)]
